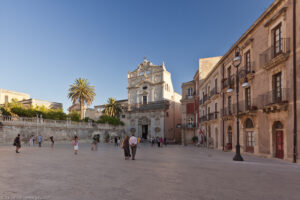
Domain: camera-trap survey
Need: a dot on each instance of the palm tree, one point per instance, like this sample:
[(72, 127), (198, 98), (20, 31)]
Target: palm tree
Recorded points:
[(81, 91), (112, 108)]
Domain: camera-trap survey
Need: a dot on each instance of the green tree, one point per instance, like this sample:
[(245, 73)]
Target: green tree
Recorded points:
[(112, 108), (81, 91), (75, 116)]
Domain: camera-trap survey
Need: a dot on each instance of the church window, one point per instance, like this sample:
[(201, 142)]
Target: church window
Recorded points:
[(144, 99), (145, 88)]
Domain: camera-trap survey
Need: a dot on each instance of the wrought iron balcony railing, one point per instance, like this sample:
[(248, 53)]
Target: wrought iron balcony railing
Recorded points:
[(227, 111), (205, 98), (203, 119), (279, 96), (214, 91), (246, 69), (228, 82), (281, 47)]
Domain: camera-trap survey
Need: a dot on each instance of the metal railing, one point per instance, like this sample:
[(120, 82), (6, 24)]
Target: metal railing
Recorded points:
[(200, 101), (203, 118), (189, 97), (282, 46), (214, 91), (228, 82), (246, 69), (227, 111), (190, 125), (245, 106), (272, 97), (205, 98), (212, 116)]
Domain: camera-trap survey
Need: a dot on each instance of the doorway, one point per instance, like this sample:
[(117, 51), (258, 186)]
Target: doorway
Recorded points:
[(144, 131), (279, 144), (278, 137)]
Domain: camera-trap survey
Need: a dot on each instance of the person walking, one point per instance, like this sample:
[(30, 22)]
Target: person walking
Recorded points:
[(119, 141), (52, 141), (116, 141), (139, 140), (75, 145), (31, 141), (125, 147), (133, 145), (161, 141), (94, 143), (40, 139), (152, 141), (17, 143), (158, 142)]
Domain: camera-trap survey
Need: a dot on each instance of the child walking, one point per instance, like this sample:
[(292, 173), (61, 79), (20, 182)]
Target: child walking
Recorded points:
[(75, 144)]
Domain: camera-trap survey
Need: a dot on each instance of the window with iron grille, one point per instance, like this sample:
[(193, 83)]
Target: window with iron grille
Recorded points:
[(216, 110), (216, 84), (190, 91), (248, 98), (250, 139), (277, 42), (229, 72), (229, 105), (247, 61), (276, 91)]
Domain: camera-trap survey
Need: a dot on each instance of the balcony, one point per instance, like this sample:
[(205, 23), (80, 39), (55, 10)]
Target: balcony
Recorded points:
[(205, 98), (227, 82), (273, 101), (158, 105), (275, 54), (227, 112), (245, 107), (189, 97), (203, 119), (191, 125), (213, 93), (200, 101), (247, 71), (212, 116)]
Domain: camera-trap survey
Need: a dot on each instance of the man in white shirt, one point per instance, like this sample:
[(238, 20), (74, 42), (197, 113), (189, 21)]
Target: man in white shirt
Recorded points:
[(133, 145)]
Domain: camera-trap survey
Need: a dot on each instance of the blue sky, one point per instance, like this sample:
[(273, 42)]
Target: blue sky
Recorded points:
[(46, 44)]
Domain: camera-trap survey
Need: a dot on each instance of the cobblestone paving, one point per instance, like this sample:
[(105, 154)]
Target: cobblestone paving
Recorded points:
[(172, 172)]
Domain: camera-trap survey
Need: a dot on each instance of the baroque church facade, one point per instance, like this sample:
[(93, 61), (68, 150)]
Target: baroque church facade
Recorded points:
[(153, 108)]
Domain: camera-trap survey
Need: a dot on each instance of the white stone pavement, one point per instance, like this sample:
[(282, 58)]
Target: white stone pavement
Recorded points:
[(172, 172)]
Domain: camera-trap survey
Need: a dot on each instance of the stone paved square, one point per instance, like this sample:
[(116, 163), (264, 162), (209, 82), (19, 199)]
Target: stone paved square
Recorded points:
[(172, 172)]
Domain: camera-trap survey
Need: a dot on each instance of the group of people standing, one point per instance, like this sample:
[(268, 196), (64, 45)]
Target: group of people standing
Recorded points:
[(17, 141), (159, 140), (130, 143)]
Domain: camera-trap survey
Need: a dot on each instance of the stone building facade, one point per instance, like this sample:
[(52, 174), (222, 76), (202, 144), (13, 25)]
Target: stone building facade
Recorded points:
[(154, 107), (6, 96), (188, 118), (269, 51)]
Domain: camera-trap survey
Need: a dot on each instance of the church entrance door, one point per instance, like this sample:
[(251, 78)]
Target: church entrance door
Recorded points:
[(144, 131)]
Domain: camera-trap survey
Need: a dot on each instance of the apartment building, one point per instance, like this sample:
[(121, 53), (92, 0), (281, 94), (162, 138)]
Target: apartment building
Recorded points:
[(264, 110)]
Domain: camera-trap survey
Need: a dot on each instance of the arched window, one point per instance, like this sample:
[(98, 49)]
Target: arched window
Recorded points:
[(278, 125), (249, 123)]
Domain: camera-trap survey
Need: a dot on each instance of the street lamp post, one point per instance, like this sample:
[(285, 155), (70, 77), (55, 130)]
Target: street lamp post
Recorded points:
[(236, 63)]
